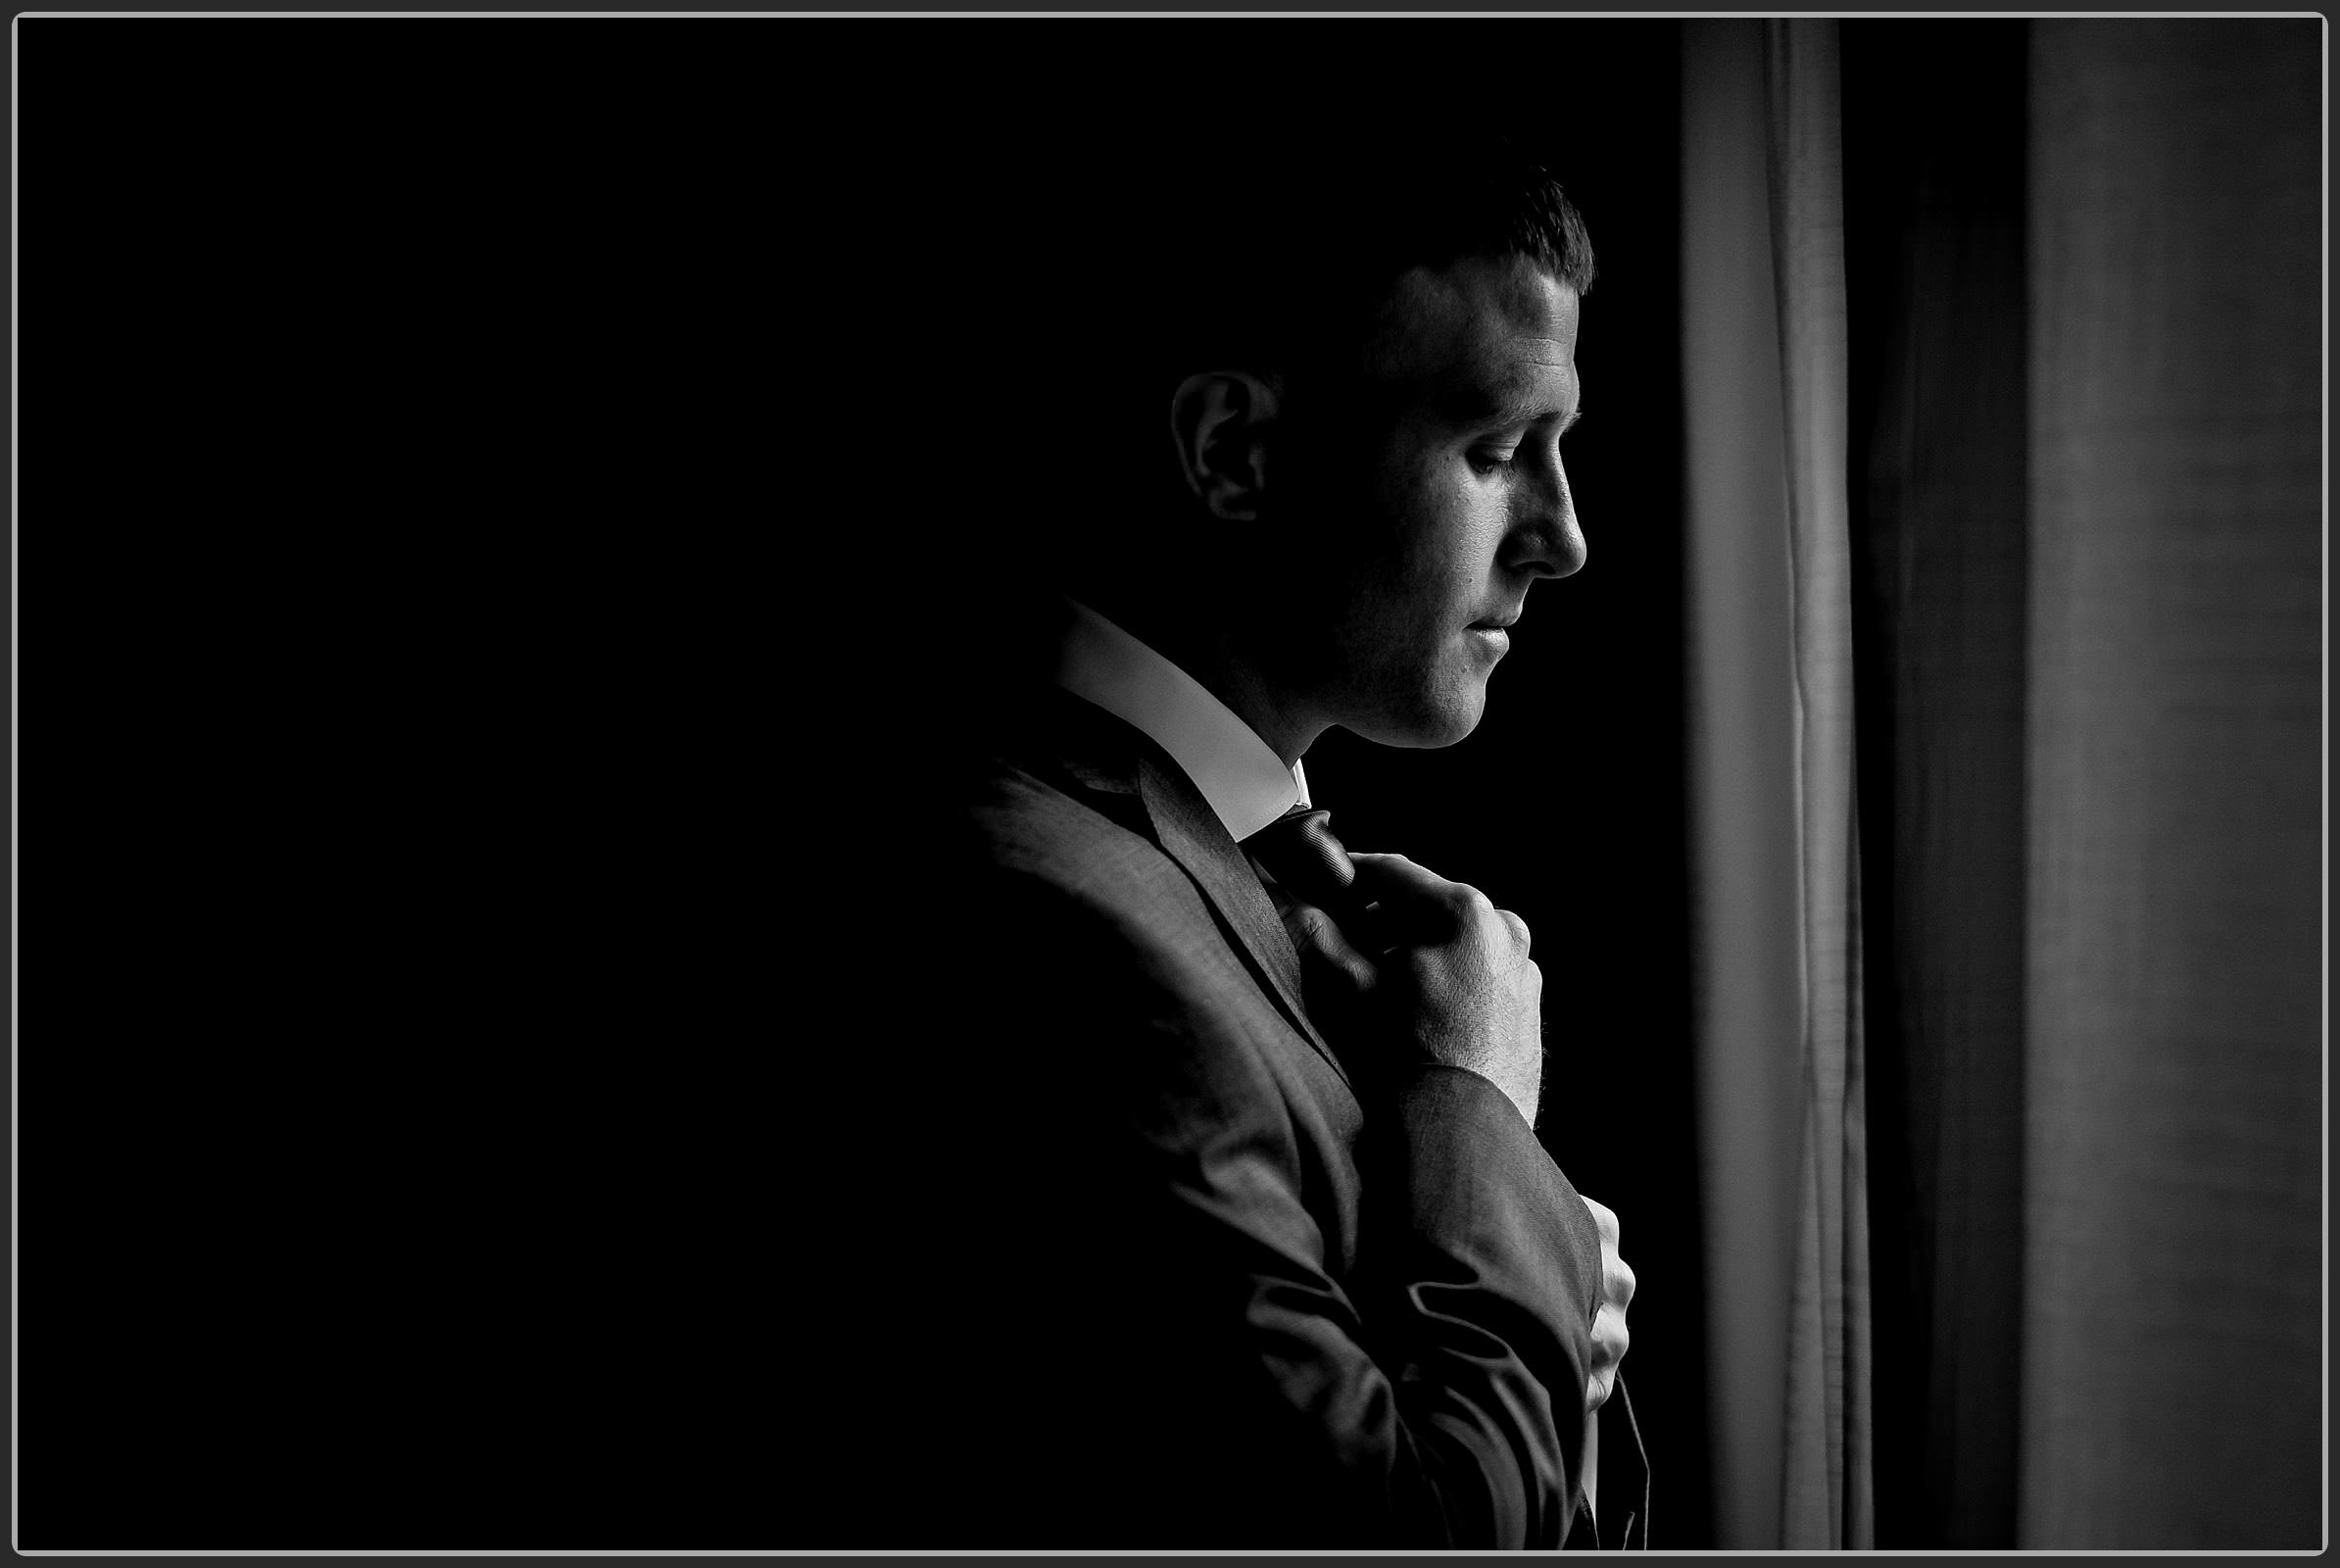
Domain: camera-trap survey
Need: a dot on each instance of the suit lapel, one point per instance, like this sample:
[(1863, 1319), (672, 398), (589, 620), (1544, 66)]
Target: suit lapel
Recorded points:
[(1123, 768), (1191, 833)]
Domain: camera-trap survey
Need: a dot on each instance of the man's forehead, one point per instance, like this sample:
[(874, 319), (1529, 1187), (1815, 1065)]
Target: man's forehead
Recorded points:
[(1500, 326), (1480, 332)]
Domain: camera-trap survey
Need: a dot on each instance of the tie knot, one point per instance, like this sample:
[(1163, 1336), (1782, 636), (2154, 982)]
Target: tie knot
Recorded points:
[(1298, 849)]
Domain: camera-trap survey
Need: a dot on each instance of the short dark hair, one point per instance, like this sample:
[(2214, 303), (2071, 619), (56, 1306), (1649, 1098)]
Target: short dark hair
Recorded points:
[(1212, 237), (1304, 242)]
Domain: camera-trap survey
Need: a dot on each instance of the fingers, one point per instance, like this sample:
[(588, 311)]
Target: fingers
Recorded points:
[(1326, 950), (1409, 893), (1517, 927), (1393, 877), (1610, 1337), (1610, 1341), (1617, 1281)]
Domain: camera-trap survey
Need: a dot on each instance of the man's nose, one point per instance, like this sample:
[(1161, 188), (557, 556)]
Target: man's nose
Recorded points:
[(1549, 543)]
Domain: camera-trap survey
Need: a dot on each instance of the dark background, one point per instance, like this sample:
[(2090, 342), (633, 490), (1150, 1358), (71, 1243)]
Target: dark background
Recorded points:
[(514, 507)]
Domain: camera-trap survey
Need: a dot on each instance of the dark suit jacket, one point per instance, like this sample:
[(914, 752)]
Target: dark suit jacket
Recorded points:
[(1177, 1284)]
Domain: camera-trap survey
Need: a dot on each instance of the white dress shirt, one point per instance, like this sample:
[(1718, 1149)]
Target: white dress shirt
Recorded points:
[(1240, 775)]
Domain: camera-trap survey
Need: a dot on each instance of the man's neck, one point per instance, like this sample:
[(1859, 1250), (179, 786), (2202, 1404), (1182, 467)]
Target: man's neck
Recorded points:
[(1220, 669)]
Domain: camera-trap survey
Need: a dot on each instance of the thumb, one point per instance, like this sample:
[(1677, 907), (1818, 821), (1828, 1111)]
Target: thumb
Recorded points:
[(1327, 953)]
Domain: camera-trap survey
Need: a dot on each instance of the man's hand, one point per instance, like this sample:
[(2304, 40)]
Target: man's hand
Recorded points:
[(1452, 977), (1609, 1337)]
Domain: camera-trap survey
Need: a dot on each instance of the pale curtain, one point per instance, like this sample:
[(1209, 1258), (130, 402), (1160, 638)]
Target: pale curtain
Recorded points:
[(2090, 465), (1826, 1488), (1774, 827), (2172, 1308)]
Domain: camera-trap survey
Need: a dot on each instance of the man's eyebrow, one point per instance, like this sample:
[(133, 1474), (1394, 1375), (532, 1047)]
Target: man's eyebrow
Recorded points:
[(1516, 405)]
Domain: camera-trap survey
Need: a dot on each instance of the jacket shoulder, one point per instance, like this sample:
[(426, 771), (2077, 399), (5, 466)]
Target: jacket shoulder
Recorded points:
[(1067, 889), (1093, 852)]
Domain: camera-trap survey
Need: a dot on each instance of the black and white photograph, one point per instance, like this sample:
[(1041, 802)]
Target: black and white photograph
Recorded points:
[(1033, 783)]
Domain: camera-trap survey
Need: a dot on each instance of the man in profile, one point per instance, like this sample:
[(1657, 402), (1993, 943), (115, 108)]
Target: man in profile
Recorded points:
[(1232, 1226)]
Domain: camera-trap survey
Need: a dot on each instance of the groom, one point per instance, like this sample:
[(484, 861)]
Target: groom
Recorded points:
[(1242, 1233)]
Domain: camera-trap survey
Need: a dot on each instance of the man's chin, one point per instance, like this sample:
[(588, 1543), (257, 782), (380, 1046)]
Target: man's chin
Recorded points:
[(1431, 725)]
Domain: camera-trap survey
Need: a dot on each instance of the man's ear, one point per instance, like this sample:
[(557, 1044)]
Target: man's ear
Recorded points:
[(1221, 421)]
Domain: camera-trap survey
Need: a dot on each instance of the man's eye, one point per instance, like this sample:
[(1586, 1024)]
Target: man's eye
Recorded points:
[(1494, 460)]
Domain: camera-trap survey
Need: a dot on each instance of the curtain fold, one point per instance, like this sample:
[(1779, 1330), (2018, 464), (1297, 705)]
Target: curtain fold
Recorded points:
[(1826, 1493), (1747, 926), (1772, 744), (1933, 140)]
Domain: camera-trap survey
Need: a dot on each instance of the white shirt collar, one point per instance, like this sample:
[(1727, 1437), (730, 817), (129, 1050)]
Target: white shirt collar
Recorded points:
[(1242, 777)]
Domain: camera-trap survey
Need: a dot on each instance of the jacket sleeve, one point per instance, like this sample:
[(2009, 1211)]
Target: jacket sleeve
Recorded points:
[(1178, 1325)]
